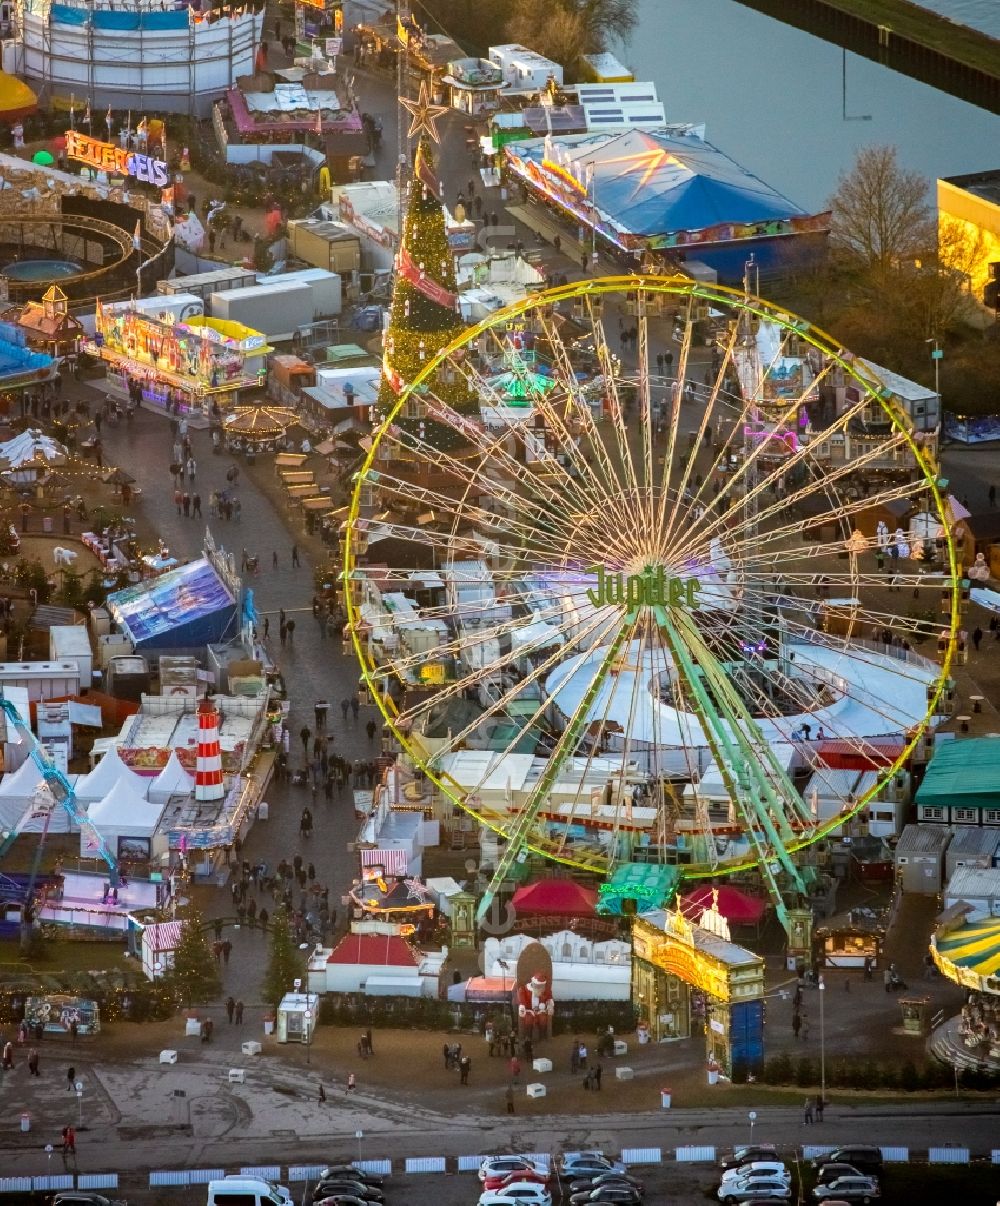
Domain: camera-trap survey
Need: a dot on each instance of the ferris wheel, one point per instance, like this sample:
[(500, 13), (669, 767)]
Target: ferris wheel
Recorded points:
[(678, 586)]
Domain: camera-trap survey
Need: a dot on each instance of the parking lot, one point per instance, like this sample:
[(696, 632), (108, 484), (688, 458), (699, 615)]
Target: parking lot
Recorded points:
[(665, 1185)]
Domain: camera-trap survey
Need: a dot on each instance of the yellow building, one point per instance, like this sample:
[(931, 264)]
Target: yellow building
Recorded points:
[(689, 978), (969, 227)]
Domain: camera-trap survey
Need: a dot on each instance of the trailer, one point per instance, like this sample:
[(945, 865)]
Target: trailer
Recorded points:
[(276, 309), (204, 284)]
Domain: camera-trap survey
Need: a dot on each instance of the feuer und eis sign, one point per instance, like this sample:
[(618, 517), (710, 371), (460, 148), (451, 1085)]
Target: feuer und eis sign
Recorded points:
[(106, 157)]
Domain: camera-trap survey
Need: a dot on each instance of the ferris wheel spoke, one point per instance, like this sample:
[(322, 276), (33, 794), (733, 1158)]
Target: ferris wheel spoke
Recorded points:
[(607, 363), (712, 405), (547, 664)]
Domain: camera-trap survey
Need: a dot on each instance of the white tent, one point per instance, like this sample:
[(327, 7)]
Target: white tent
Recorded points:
[(31, 448), (122, 813), (106, 774), (173, 780), (17, 791)]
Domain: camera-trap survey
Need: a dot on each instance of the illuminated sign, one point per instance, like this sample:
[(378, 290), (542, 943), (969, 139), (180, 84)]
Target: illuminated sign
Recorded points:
[(651, 588), (567, 177), (106, 157)]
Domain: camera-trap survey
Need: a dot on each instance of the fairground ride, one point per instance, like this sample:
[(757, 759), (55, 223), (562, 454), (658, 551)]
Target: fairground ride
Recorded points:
[(627, 607)]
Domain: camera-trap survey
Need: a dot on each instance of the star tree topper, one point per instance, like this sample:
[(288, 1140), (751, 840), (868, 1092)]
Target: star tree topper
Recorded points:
[(424, 113)]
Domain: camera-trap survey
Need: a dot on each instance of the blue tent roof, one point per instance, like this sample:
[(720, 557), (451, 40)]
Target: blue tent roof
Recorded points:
[(656, 182), (184, 608)]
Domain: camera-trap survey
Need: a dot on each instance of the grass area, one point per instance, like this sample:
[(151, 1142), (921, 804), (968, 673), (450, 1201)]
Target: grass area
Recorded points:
[(920, 25), (60, 958)]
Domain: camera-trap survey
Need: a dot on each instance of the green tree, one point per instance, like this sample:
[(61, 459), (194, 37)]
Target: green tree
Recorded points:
[(194, 976), (423, 318), (284, 963)]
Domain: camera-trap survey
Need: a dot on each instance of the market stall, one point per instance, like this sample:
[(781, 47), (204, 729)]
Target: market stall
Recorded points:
[(253, 429)]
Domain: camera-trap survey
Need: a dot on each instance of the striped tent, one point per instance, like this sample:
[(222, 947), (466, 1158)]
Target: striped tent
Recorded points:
[(970, 954)]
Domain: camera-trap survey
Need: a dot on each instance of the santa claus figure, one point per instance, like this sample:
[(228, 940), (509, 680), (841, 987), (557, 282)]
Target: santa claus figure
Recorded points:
[(533, 992)]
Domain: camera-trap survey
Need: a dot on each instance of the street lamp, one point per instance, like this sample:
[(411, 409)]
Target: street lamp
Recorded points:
[(359, 1135), (307, 1016), (822, 1041), (79, 1101), (937, 355), (753, 1118)]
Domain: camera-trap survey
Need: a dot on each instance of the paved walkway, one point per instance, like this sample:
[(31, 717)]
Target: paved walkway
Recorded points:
[(312, 667)]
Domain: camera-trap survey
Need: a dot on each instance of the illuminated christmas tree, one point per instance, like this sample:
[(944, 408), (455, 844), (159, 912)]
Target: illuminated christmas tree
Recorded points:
[(424, 315)]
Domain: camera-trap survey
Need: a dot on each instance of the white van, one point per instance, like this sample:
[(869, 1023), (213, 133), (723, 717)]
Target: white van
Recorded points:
[(247, 1191)]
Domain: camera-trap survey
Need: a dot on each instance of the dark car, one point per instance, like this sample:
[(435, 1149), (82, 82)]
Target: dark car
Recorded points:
[(622, 1195), (342, 1187), (864, 1157), (748, 1154), (336, 1199), (80, 1197), (830, 1172), (607, 1178), (347, 1172)]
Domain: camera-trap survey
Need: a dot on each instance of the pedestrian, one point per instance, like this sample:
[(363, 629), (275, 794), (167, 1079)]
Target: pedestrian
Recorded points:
[(977, 637), (71, 1078), (227, 950), (239, 1013), (217, 947), (355, 706), (796, 1023), (808, 1112), (196, 505), (305, 733), (322, 1094), (230, 1009), (509, 1097), (368, 1032), (345, 705), (8, 1056), (515, 1069), (179, 501), (263, 916), (370, 728), (33, 1061), (295, 556), (274, 565), (869, 964), (217, 927), (464, 1068), (351, 1082), (447, 1057), (311, 871), (820, 1107), (192, 468), (68, 1141), (596, 1073)]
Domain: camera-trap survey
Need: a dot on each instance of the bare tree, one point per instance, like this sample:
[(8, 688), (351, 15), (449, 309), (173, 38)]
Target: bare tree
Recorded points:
[(564, 30), (881, 214)]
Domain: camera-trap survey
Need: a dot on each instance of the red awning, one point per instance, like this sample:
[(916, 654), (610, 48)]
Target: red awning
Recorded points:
[(555, 898), (864, 753), (737, 907)]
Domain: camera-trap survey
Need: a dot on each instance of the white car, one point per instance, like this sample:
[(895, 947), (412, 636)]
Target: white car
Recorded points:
[(759, 1168), (757, 1189), (499, 1166), (529, 1194)]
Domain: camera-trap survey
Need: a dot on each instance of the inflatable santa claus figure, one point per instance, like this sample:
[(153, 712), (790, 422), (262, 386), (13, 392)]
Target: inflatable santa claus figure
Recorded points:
[(533, 991)]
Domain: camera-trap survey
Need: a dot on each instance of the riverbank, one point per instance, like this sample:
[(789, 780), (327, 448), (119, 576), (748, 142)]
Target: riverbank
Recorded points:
[(906, 37)]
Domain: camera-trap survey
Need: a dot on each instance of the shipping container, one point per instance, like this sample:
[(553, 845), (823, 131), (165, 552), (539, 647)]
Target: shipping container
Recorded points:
[(328, 245), (276, 310), (71, 643), (204, 284), (325, 286)]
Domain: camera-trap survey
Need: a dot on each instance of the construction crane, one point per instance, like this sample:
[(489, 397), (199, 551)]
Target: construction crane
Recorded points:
[(62, 793)]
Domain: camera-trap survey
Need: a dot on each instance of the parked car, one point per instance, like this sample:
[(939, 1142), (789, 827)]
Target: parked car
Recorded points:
[(584, 1164), (623, 1195), (848, 1189), (80, 1197), (350, 1173), (502, 1165), (759, 1168), (757, 1189), (830, 1172), (864, 1157), (529, 1193), (341, 1186), (607, 1178), (332, 1198), (524, 1176), (747, 1154)]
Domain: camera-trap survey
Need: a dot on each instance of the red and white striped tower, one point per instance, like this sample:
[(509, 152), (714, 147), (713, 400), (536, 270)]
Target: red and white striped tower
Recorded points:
[(208, 768)]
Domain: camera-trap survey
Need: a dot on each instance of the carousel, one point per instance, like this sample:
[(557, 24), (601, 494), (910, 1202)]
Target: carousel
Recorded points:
[(254, 429), (968, 953)]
